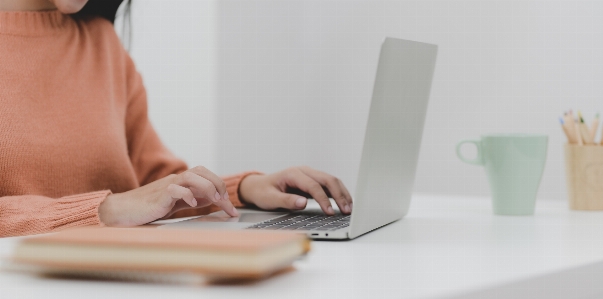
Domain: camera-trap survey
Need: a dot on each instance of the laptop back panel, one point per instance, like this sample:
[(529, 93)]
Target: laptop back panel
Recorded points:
[(393, 134)]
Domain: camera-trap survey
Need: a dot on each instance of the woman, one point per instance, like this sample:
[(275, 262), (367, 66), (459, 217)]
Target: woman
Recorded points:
[(76, 144)]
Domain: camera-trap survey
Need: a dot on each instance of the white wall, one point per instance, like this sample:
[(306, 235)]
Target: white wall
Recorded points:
[(291, 80), (173, 45)]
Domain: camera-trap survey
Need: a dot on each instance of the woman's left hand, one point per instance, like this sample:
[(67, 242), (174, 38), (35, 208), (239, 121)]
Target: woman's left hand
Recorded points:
[(283, 189)]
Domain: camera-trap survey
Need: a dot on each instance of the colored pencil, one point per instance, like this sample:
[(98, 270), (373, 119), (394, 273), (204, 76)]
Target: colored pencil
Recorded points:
[(593, 127), (578, 134), (584, 130), (570, 137)]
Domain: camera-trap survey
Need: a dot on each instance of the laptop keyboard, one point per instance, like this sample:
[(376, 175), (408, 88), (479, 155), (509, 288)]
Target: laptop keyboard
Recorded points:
[(305, 221)]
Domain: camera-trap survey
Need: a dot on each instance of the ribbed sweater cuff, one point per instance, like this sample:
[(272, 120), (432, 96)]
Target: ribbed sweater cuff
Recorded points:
[(232, 186), (79, 210)]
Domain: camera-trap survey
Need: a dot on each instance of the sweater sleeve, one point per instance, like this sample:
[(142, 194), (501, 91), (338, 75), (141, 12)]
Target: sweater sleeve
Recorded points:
[(33, 214), (150, 158)]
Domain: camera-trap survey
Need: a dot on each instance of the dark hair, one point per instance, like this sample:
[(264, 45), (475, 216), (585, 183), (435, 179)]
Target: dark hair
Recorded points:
[(100, 8), (108, 9)]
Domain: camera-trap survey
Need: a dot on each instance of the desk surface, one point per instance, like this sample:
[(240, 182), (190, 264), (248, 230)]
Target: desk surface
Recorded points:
[(446, 247)]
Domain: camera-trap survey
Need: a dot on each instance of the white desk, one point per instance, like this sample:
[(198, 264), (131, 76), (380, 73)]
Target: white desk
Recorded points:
[(446, 247)]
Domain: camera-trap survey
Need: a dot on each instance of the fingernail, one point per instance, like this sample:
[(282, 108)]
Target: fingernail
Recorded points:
[(226, 195), (235, 212), (300, 202), (194, 202), (351, 206), (346, 208), (217, 196), (330, 210)]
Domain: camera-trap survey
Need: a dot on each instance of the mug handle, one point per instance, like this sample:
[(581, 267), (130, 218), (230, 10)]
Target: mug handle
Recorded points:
[(479, 160)]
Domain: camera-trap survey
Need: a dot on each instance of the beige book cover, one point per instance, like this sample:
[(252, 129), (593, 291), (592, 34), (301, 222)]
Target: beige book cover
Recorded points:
[(215, 253)]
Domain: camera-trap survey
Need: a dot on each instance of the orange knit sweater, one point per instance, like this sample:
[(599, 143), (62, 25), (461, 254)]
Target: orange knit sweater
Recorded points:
[(73, 123)]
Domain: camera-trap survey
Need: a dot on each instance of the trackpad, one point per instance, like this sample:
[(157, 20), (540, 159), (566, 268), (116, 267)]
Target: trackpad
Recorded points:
[(222, 220), (258, 217)]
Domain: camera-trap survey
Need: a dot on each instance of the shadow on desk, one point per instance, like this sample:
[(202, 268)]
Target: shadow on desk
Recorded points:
[(145, 277)]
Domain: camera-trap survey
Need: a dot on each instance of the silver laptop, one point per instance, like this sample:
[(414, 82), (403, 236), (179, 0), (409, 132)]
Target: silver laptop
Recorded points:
[(389, 155)]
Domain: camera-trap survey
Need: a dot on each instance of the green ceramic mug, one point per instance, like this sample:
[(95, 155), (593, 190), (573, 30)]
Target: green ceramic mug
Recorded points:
[(514, 164)]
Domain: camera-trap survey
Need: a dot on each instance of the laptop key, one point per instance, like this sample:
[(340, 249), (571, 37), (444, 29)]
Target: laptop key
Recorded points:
[(282, 218), (306, 221), (275, 227)]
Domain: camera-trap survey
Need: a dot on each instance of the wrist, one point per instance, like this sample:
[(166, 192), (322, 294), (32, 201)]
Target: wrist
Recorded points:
[(245, 187), (108, 211)]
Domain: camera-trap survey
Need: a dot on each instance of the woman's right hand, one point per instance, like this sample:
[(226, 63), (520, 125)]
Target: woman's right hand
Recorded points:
[(195, 188)]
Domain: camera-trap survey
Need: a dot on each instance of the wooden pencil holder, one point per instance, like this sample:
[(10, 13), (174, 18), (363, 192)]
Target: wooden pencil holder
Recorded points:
[(584, 173)]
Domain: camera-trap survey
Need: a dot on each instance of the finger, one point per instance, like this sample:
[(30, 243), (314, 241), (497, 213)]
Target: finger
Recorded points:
[(348, 196), (179, 192), (179, 206), (203, 188), (300, 180), (214, 179), (287, 200), (227, 206), (182, 205), (335, 187)]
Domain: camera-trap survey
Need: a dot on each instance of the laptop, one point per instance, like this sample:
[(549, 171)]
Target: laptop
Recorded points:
[(389, 155)]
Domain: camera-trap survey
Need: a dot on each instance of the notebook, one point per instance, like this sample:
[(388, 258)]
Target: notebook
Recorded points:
[(212, 253)]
